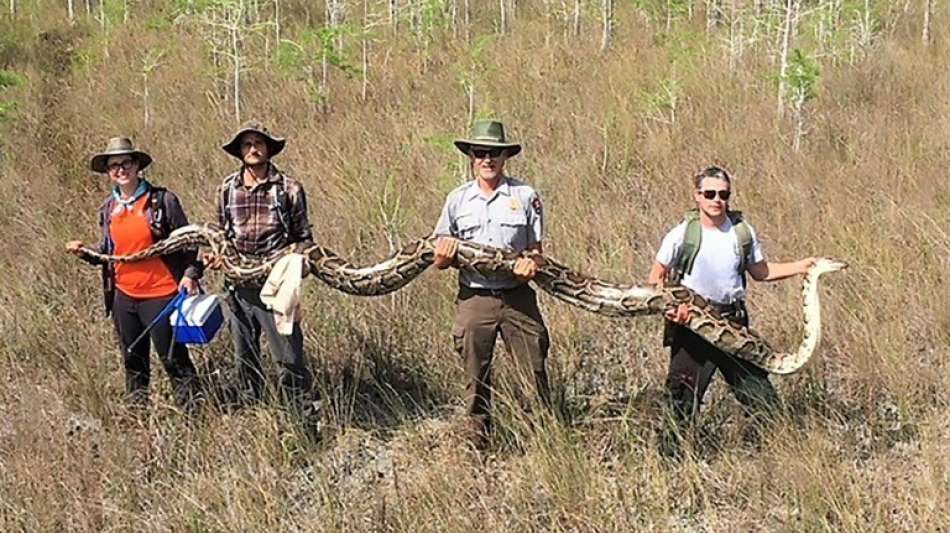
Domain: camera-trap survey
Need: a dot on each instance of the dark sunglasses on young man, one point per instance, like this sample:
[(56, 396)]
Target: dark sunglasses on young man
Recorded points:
[(481, 153), (723, 195)]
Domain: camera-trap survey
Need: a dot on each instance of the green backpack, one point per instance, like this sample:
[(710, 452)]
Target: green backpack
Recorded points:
[(683, 263)]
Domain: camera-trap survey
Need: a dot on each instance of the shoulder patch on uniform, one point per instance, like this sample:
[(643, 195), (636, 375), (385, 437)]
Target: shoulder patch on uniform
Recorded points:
[(536, 205)]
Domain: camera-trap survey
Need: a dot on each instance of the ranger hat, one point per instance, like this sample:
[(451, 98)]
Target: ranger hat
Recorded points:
[(490, 134)]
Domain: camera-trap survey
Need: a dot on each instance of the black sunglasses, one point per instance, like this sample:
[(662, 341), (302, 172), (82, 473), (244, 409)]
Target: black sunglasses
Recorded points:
[(723, 195), (480, 153)]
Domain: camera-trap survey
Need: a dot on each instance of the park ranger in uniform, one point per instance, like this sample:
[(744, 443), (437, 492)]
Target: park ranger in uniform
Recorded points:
[(500, 211)]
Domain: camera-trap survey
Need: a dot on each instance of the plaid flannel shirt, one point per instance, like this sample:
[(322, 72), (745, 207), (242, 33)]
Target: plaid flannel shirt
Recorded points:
[(255, 219)]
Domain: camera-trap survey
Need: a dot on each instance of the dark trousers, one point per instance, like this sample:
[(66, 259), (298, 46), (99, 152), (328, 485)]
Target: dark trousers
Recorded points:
[(480, 317), (693, 362), (131, 316), (251, 317)]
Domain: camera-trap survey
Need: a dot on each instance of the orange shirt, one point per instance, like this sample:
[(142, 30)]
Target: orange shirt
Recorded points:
[(130, 233)]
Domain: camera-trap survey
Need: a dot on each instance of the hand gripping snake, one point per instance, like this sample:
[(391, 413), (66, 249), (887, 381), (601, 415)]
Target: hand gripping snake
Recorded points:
[(601, 297)]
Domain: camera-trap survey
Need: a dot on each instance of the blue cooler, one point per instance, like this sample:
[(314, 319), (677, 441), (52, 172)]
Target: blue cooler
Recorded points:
[(196, 319)]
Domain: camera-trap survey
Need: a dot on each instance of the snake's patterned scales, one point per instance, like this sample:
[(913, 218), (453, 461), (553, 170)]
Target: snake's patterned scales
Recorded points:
[(604, 298)]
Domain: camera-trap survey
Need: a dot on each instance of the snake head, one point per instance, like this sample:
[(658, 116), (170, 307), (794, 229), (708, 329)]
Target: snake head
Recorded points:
[(825, 264)]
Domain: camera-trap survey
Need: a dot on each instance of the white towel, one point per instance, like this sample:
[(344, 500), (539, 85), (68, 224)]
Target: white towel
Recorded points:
[(281, 292)]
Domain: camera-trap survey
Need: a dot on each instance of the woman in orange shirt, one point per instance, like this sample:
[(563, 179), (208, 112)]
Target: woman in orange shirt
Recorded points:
[(134, 216)]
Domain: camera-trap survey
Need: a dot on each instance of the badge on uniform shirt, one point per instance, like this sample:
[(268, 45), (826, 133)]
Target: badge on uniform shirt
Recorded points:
[(536, 205), (514, 204)]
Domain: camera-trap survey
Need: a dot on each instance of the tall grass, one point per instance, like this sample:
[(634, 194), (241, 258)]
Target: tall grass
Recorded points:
[(862, 446)]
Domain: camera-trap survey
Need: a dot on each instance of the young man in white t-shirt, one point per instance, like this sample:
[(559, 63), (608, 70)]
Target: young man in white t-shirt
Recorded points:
[(716, 272)]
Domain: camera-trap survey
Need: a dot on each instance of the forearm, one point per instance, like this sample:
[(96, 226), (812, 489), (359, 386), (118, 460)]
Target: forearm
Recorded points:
[(101, 248), (90, 259), (657, 274), (194, 267), (780, 271)]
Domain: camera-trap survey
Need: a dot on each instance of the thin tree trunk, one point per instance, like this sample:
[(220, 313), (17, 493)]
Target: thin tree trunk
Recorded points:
[(783, 57), (608, 25), (736, 36), (277, 21), (364, 45), (471, 102), (547, 22), (145, 98), (394, 16), (713, 14), (799, 122), (503, 16), (669, 15), (235, 49), (468, 21), (70, 9), (576, 27), (454, 18), (466, 173), (12, 8), (324, 82), (925, 35)]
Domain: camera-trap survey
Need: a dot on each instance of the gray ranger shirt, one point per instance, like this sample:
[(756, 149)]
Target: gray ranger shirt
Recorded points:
[(510, 218)]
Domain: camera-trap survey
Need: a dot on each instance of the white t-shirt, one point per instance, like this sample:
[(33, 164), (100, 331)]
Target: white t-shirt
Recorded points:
[(715, 274)]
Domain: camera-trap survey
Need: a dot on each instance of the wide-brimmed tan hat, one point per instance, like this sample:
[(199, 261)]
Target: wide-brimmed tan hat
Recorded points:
[(274, 144), (490, 134), (118, 146)]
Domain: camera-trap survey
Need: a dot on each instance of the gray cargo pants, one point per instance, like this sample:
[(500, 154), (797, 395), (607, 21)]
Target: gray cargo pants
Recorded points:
[(251, 317)]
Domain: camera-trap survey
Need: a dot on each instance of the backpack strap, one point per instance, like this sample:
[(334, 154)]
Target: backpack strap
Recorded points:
[(158, 217), (692, 237), (108, 269), (282, 205), (227, 189), (105, 220), (743, 241)]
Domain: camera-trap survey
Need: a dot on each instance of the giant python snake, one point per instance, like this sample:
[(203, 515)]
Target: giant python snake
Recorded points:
[(586, 292)]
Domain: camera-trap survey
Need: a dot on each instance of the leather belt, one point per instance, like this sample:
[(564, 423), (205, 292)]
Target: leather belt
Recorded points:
[(466, 292), (735, 310)]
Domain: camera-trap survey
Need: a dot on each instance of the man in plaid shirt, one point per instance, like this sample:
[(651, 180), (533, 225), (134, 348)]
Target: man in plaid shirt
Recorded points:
[(263, 210)]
